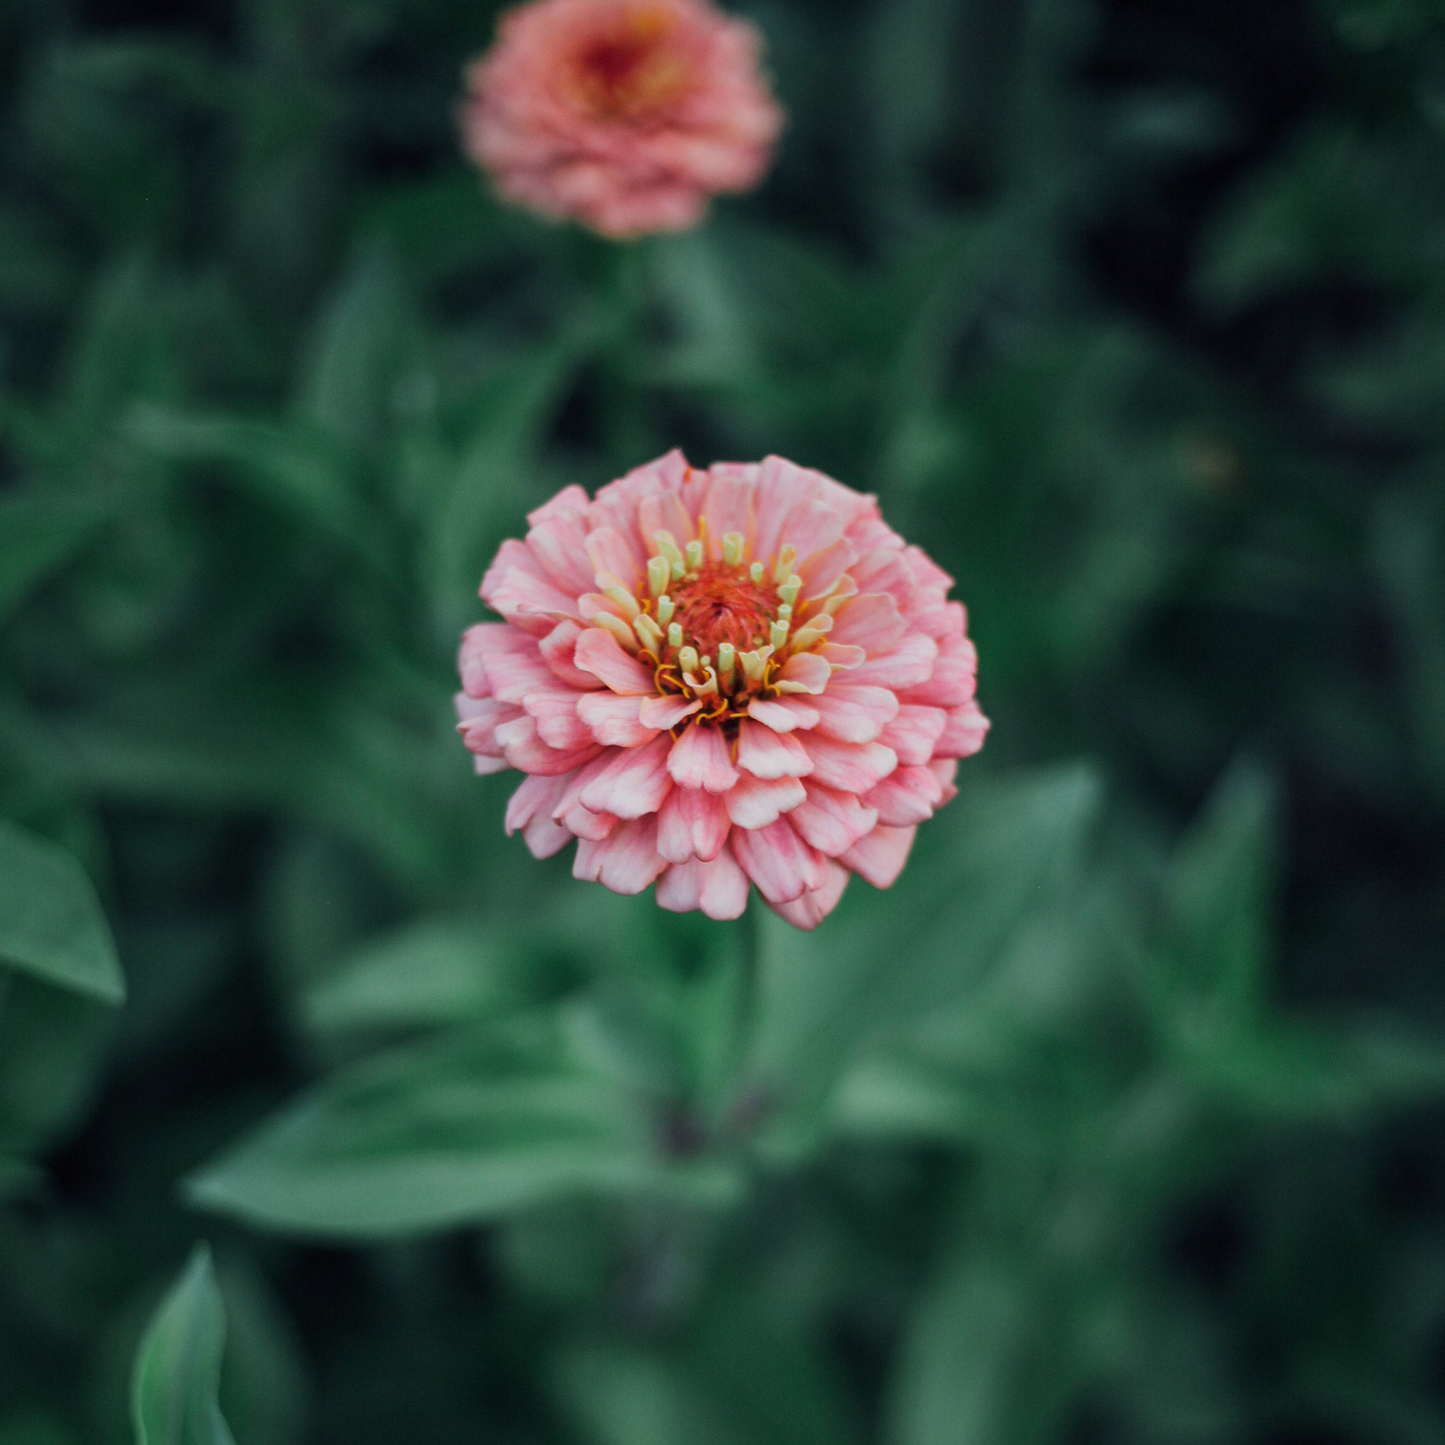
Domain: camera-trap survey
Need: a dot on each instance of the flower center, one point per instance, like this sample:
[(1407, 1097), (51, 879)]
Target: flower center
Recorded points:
[(629, 70), (723, 604)]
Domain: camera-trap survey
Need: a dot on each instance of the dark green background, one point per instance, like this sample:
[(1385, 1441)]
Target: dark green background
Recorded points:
[(1118, 1120)]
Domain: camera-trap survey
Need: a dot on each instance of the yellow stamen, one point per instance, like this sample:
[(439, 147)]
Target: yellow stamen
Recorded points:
[(778, 635), (617, 627), (687, 659), (624, 599), (694, 556), (757, 572), (674, 636), (727, 660), (659, 570), (790, 589), (665, 608), (648, 631), (666, 545), (755, 665), (733, 548)]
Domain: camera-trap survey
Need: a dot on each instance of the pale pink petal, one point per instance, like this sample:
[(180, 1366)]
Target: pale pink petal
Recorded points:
[(908, 664), (855, 714), (767, 754), (633, 783), (945, 770), (558, 724), (600, 653), (513, 665), (526, 751), (626, 861), (471, 661), (813, 907), (728, 508), (699, 759), (778, 861), (477, 719), (582, 823), (719, 887), (871, 621), (821, 571), (905, 797), (836, 656), (609, 551), (756, 802), (560, 544), (913, 733), (664, 513), (783, 714), (692, 824), (953, 680), (558, 648), (964, 735), (660, 713), (569, 499), (534, 796), (804, 672), (544, 838), (832, 822), (879, 858), (849, 767), (613, 719)]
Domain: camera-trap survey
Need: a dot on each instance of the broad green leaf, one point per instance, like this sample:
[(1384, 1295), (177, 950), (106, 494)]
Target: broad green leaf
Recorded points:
[(1219, 895), (462, 1129), (178, 1370), (867, 973), (437, 972), (38, 534), (51, 924)]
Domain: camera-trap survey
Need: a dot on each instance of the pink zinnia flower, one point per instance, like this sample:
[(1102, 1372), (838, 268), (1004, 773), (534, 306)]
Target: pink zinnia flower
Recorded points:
[(720, 676), (626, 115)]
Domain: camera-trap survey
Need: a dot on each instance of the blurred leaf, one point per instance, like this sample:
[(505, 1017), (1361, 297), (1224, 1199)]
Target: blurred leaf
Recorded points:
[(178, 1370), (463, 1129), (51, 924), (38, 534)]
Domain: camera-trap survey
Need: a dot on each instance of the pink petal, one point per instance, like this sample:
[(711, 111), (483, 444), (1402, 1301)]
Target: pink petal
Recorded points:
[(556, 716), (581, 823), (781, 486), (514, 665), (783, 714), (472, 660), (945, 770), (626, 861), (477, 723), (718, 887), (483, 764), (526, 752), (964, 735), (820, 571), (830, 821), (871, 621), (908, 664), (953, 680), (879, 858), (810, 527), (609, 551), (836, 656), (692, 824), (569, 499), (913, 733), (544, 838), (849, 767), (664, 513), (558, 648), (812, 908), (907, 796), (560, 544), (805, 672), (613, 719), (660, 713), (778, 861), (767, 754), (534, 796), (633, 783), (728, 508), (756, 802), (600, 653), (699, 759), (855, 714)]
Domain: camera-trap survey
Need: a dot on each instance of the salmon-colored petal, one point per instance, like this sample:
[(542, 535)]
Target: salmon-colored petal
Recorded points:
[(692, 824), (768, 754), (560, 544), (526, 751), (477, 719), (558, 724), (699, 759), (783, 714), (660, 713), (719, 888), (613, 719), (600, 653), (569, 499), (534, 796), (849, 767), (610, 552), (729, 508), (756, 802), (945, 770), (953, 679), (626, 861), (907, 665), (854, 714), (781, 485), (813, 907), (879, 858), (782, 865), (905, 797), (557, 650), (831, 821), (822, 571), (471, 662), (810, 527), (914, 732), (513, 664), (664, 513), (634, 782)]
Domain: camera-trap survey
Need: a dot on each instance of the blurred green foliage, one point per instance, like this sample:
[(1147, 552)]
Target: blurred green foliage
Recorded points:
[(1119, 1118)]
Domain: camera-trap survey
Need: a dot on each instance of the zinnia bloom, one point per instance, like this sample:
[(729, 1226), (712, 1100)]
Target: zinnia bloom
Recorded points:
[(719, 676), (626, 115)]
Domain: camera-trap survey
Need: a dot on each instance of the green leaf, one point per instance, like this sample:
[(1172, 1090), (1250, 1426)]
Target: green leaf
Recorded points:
[(1218, 894), (38, 534), (51, 924), (462, 1129), (178, 1370)]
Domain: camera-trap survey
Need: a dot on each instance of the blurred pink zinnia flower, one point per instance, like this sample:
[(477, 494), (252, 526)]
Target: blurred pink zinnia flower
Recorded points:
[(721, 676), (626, 115)]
